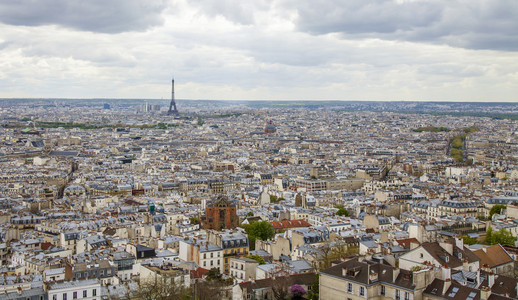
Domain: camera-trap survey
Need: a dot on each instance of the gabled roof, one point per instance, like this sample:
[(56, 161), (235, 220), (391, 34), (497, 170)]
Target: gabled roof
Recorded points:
[(493, 256), (405, 243)]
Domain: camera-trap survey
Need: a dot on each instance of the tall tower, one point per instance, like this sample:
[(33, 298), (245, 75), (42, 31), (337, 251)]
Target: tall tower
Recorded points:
[(172, 106)]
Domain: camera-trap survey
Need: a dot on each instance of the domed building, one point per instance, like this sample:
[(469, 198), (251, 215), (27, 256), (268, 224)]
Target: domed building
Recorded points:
[(270, 128)]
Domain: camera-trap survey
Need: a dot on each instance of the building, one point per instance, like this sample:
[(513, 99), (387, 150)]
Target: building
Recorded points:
[(103, 270), (220, 214), (77, 289), (233, 243), (371, 280), (495, 259), (450, 253), (243, 269), (203, 253)]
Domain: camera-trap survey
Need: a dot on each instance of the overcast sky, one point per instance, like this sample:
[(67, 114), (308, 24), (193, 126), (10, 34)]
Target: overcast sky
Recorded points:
[(260, 49)]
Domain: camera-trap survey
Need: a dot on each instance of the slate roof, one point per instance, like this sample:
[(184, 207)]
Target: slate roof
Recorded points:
[(359, 272)]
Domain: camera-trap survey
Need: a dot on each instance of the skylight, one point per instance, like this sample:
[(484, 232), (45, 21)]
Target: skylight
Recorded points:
[(453, 292)]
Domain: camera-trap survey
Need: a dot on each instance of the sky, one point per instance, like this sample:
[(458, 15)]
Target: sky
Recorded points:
[(411, 50)]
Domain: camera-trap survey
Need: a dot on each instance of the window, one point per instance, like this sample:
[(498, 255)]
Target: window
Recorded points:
[(362, 291), (422, 255), (94, 292), (65, 296), (55, 297), (453, 292), (84, 294), (211, 255), (204, 255), (382, 292), (349, 287), (407, 296), (398, 294), (74, 295)]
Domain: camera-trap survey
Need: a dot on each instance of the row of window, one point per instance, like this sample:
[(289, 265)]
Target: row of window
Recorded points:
[(361, 292), (211, 255), (211, 263), (74, 295)]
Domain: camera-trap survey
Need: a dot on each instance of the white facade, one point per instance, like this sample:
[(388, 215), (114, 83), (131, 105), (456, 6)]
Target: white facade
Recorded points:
[(81, 289)]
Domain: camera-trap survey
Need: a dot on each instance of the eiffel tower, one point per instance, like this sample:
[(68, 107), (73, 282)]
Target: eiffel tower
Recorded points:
[(172, 107)]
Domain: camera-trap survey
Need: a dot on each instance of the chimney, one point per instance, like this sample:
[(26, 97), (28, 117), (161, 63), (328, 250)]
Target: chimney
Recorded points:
[(446, 273), (490, 279), (448, 246), (395, 274), (459, 242), (447, 284), (485, 292)]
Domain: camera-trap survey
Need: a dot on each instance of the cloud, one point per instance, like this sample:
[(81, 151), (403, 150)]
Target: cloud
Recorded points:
[(473, 24), (112, 16)]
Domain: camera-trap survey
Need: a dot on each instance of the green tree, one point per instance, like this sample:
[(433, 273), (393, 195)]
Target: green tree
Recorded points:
[(496, 209), (315, 289), (258, 230), (257, 258), (342, 212), (214, 274), (250, 214), (489, 240), (504, 237), (469, 240)]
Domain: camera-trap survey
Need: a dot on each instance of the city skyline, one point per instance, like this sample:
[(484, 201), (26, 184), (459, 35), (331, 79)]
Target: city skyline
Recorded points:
[(261, 50)]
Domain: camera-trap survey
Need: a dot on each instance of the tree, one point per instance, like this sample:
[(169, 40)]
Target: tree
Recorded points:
[(214, 274), (342, 212), (280, 287), (502, 237), (489, 240), (257, 258), (315, 289), (496, 209), (258, 230), (297, 291), (214, 286), (469, 240), (160, 288), (250, 214)]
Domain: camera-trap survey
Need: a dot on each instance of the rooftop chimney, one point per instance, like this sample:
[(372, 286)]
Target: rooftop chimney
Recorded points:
[(490, 279)]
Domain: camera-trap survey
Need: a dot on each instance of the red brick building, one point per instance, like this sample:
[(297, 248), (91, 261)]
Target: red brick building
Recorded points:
[(220, 214)]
